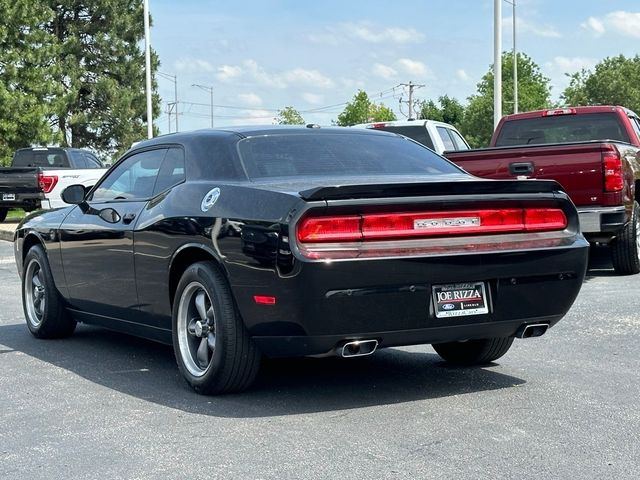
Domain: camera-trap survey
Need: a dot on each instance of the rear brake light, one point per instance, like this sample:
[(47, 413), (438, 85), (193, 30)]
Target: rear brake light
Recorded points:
[(343, 228), (559, 111), (612, 166), (377, 125), (47, 182)]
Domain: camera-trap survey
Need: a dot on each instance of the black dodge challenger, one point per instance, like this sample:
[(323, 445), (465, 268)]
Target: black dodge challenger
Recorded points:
[(292, 241)]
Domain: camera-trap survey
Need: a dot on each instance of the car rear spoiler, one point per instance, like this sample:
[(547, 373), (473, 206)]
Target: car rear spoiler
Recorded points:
[(467, 187)]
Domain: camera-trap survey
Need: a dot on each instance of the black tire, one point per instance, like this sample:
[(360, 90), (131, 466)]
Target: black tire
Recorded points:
[(473, 352), (3, 214), (625, 249), (230, 360), (44, 308)]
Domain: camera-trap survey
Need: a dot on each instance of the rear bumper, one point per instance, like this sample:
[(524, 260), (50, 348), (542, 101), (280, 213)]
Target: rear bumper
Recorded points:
[(326, 303), (601, 219)]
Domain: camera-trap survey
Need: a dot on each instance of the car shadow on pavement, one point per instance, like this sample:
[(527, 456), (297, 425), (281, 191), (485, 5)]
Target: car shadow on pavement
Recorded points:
[(147, 370), (600, 263)]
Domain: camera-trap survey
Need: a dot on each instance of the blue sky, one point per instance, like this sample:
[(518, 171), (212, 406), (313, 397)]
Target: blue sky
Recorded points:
[(260, 56)]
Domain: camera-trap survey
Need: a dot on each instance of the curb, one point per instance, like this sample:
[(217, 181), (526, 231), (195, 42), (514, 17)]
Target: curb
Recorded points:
[(7, 236)]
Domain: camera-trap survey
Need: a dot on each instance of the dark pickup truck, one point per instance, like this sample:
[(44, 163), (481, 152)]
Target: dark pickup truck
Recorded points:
[(34, 173), (593, 152)]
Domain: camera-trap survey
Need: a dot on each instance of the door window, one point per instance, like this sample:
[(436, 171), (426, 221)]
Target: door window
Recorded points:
[(458, 140), (171, 172), (133, 179), (446, 139)]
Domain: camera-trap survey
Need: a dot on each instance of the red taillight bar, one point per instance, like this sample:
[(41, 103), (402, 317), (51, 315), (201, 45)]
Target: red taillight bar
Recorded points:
[(387, 226), (47, 182), (612, 169)]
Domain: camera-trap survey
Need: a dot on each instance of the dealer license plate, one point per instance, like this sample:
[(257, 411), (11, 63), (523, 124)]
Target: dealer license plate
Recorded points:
[(8, 196), (460, 299)]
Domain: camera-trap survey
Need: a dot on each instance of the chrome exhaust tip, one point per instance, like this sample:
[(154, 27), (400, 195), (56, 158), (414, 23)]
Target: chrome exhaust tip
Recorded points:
[(358, 348), (532, 330)]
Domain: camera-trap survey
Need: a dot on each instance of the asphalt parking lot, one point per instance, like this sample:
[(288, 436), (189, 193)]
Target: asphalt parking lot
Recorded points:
[(104, 405)]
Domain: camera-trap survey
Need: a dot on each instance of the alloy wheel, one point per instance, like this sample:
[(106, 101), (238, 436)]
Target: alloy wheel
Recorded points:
[(34, 293)]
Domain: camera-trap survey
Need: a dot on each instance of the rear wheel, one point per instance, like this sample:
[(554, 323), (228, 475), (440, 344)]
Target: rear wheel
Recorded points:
[(625, 250), (44, 309), (3, 214), (212, 346), (473, 352)]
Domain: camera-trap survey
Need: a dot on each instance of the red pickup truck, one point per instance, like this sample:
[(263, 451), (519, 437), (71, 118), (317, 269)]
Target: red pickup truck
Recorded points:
[(593, 152)]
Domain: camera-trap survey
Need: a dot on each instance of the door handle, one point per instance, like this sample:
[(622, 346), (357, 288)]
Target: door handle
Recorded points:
[(521, 168), (127, 218)]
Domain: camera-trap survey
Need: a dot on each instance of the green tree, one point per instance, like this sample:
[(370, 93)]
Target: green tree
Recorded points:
[(28, 76), (614, 81), (448, 110), (289, 116), (534, 93), (103, 104), (362, 110)]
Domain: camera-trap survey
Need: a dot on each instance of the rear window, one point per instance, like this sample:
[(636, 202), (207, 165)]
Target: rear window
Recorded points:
[(51, 158), (338, 155), (415, 132), (561, 129)]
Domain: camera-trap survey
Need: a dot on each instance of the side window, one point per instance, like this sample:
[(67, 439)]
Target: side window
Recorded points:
[(133, 179), (446, 139), (92, 162), (635, 125), (458, 140), (78, 159), (171, 172)]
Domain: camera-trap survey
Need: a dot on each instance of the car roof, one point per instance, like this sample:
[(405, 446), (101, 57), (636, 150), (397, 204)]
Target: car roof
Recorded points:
[(251, 131), (405, 123), (578, 111)]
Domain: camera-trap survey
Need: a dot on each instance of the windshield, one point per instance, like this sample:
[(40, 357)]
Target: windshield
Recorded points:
[(415, 132), (51, 158), (561, 129), (341, 155)]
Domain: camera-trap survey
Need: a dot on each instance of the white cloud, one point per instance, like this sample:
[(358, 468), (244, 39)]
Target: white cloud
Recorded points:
[(413, 67), (526, 26), (624, 23), (572, 64), (193, 65), (462, 75), (313, 99), (367, 32), (594, 25), (227, 73), (260, 75), (384, 71), (307, 77), (250, 99)]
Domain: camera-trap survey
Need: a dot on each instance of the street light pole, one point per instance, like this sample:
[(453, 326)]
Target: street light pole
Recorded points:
[(209, 89), (147, 61), (497, 62)]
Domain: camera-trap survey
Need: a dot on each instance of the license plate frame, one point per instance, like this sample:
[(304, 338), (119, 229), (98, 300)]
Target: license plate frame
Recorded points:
[(460, 299), (9, 197)]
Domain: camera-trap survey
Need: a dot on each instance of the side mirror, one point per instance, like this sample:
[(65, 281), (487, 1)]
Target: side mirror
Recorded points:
[(74, 194)]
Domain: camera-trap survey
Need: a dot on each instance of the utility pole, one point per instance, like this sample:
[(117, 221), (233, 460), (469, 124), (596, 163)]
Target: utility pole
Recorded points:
[(515, 61), (497, 62), (147, 62), (171, 106), (209, 89), (411, 86)]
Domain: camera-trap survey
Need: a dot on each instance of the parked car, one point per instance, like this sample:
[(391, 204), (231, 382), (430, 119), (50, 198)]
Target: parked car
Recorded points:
[(38, 175), (593, 152), (438, 136), (293, 241)]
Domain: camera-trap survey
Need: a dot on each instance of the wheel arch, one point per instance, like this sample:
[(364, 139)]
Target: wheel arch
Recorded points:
[(186, 256), (31, 239)]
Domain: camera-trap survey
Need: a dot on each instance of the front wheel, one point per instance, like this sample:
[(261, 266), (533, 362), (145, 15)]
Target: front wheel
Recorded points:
[(212, 346), (473, 352), (625, 250), (44, 309)]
